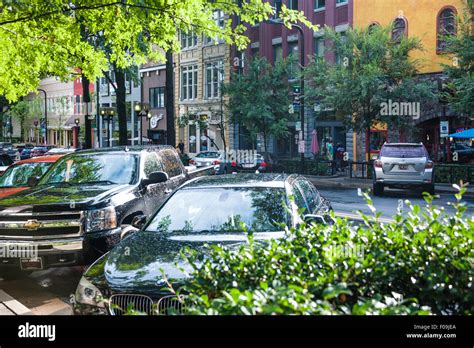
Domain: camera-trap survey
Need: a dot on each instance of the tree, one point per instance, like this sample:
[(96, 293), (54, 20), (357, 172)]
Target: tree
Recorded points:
[(41, 38), (259, 99), (461, 72), (371, 71), (22, 111)]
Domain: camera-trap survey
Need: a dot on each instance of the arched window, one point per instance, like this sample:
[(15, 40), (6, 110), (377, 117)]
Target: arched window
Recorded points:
[(446, 27), (399, 29), (373, 26)]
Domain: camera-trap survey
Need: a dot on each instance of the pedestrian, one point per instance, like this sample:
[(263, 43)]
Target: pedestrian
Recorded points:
[(330, 150), (181, 147)]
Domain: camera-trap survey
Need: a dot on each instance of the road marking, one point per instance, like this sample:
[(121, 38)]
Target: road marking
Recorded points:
[(357, 217)]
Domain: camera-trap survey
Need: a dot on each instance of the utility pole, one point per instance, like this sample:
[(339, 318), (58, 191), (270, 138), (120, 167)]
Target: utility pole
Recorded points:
[(45, 115)]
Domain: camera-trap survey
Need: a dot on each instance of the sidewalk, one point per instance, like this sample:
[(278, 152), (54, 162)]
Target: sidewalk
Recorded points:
[(345, 182)]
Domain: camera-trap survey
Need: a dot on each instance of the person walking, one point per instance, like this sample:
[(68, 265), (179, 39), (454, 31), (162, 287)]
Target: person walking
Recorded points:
[(181, 147)]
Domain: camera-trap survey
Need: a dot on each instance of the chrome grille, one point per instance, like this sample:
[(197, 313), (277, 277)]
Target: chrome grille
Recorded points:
[(170, 305), (121, 304), (40, 225)]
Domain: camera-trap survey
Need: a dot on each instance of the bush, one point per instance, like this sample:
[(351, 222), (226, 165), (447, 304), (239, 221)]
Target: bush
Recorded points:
[(311, 167), (447, 173), (422, 263)]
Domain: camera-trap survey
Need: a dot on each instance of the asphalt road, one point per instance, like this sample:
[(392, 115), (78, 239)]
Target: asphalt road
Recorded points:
[(346, 202), (48, 292)]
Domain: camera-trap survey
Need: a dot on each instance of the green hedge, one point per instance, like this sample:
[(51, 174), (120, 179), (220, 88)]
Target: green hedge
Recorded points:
[(311, 167), (422, 263), (449, 173)]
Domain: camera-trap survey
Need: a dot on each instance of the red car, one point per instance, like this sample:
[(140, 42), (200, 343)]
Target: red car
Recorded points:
[(40, 150), (15, 178)]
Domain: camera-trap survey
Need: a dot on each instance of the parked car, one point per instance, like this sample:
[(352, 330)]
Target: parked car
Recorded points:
[(40, 150), (465, 153), (11, 151), (203, 211), (15, 178), (5, 162), (403, 165), (207, 158), (61, 150), (76, 210), (25, 150), (261, 161)]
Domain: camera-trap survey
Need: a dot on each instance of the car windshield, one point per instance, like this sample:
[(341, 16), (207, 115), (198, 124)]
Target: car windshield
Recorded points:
[(94, 168), (259, 209), (405, 151), (17, 176), (208, 155)]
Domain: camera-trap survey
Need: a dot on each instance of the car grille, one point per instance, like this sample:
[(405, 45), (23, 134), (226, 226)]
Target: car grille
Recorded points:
[(170, 305), (34, 225), (121, 304)]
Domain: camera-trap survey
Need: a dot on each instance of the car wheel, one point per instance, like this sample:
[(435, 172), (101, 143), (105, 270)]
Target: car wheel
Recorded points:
[(430, 189), (378, 189)]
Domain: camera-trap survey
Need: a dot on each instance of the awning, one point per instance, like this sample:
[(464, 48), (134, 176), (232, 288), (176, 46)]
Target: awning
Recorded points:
[(465, 135)]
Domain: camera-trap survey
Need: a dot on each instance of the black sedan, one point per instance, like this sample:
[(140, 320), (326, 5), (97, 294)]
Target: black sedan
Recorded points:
[(204, 211)]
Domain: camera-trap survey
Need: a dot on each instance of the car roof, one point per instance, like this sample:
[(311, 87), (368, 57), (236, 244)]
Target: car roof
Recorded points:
[(41, 159), (403, 144), (133, 149), (239, 180)]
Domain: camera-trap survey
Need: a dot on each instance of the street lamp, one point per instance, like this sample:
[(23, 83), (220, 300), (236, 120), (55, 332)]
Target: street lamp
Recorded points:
[(143, 110), (35, 122), (107, 114), (45, 115), (300, 30), (76, 133)]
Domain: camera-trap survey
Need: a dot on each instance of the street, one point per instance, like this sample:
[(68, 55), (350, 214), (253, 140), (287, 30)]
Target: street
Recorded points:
[(49, 291)]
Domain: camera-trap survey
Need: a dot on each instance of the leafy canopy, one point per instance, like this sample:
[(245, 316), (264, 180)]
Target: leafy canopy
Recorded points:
[(50, 37)]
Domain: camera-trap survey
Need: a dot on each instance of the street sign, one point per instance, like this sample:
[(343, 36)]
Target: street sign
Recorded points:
[(298, 126), (301, 146), (296, 107), (443, 128), (296, 89)]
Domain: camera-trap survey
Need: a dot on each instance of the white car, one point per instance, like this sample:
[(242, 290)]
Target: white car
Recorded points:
[(207, 158)]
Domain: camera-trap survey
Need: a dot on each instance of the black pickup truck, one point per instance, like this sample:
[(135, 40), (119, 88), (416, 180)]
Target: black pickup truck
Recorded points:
[(77, 210)]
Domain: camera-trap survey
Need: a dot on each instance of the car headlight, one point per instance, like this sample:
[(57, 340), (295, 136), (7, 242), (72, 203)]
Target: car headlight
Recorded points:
[(88, 294), (101, 219)]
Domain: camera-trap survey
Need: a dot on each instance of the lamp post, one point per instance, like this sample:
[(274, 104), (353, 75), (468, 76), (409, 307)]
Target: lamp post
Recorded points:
[(300, 30), (45, 115), (35, 122), (76, 133), (142, 110), (107, 114)]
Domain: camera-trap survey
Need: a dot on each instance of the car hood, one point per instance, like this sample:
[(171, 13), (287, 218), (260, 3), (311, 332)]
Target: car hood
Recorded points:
[(42, 197), (142, 261)]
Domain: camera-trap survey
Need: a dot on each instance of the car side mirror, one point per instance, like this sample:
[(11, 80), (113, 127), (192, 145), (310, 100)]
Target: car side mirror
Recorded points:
[(32, 181), (317, 219), (155, 178), (138, 221)]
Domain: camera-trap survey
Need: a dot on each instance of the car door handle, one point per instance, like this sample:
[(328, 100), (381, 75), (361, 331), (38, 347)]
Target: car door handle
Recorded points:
[(167, 191)]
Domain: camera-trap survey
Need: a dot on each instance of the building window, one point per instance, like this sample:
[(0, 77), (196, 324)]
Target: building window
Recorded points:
[(293, 4), (339, 58), (277, 53), (78, 104), (446, 28), (277, 6), (104, 87), (293, 59), (188, 40), (341, 2), (218, 17), (189, 77), (255, 52), (319, 4), (319, 48), (214, 77), (373, 27), (399, 29), (157, 97)]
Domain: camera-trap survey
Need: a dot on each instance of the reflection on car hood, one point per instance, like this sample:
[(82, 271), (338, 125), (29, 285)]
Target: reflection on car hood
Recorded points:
[(62, 194), (141, 261)]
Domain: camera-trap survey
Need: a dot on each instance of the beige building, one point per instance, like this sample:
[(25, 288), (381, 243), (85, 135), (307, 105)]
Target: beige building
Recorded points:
[(200, 69)]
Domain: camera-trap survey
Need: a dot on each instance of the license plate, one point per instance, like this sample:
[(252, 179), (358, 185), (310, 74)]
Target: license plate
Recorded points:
[(403, 166), (248, 165), (31, 263)]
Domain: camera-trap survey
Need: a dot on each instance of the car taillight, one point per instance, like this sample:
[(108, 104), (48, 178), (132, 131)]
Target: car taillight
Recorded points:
[(234, 164), (215, 163), (429, 165), (378, 163), (264, 164)]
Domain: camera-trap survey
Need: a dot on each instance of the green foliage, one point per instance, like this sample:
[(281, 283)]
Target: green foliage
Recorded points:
[(371, 70), (460, 93), (23, 111), (259, 99), (422, 263), (448, 173), (48, 38)]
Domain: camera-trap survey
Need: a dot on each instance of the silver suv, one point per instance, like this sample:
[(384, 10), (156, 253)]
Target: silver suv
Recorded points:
[(403, 165)]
